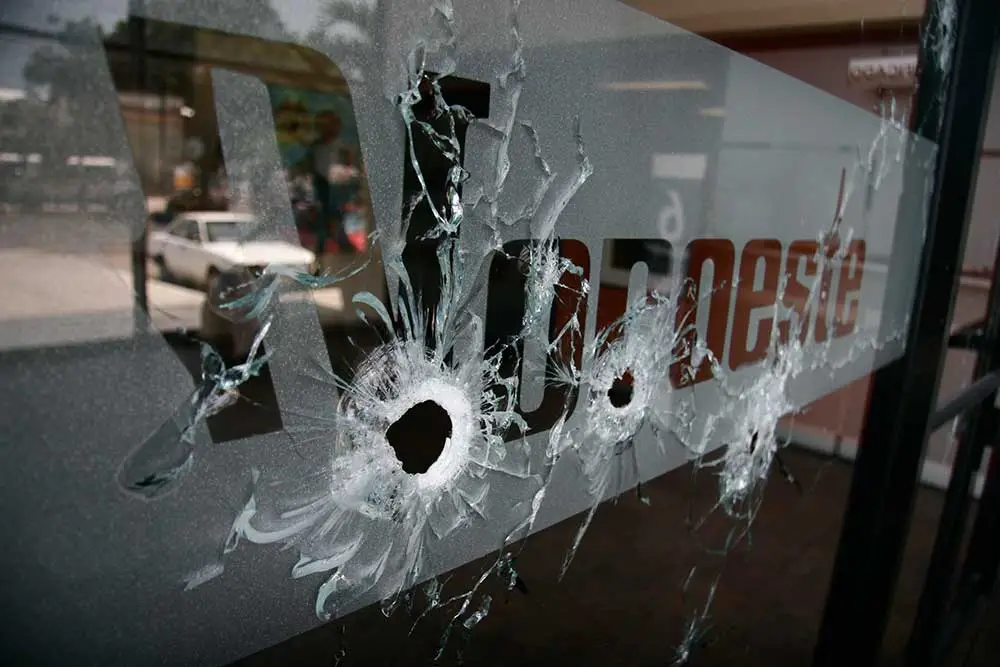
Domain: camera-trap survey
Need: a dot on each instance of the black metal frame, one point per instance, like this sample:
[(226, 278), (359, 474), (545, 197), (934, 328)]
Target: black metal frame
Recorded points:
[(951, 109)]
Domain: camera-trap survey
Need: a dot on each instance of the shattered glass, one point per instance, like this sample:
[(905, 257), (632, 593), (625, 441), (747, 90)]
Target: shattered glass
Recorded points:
[(163, 458), (538, 418)]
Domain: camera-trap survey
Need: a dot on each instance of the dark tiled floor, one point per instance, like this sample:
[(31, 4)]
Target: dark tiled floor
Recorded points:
[(621, 602)]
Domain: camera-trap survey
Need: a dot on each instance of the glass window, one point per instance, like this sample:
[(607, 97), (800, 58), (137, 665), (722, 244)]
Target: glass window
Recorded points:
[(225, 230), (511, 260), (186, 228)]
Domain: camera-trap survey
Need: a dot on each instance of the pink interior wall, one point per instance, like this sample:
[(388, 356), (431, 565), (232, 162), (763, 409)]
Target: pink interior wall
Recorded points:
[(842, 414)]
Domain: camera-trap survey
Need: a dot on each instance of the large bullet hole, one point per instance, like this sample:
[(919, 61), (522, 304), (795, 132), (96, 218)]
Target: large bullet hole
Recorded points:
[(418, 437), (620, 393)]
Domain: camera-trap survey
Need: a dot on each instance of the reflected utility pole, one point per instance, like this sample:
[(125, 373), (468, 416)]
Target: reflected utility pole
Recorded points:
[(137, 50)]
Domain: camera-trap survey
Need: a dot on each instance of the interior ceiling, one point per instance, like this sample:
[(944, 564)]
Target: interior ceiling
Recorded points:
[(750, 16)]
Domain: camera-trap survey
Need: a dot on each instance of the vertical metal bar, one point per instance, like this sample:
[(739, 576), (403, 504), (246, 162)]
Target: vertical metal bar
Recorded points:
[(926, 644), (161, 148), (978, 576), (981, 566), (137, 49), (950, 108)]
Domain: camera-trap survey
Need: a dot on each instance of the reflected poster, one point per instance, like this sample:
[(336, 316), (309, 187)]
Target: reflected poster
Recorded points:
[(318, 140)]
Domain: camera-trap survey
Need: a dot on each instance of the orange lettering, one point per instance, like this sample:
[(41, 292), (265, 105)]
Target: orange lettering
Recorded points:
[(849, 287), (801, 257), (722, 255), (825, 284), (749, 299)]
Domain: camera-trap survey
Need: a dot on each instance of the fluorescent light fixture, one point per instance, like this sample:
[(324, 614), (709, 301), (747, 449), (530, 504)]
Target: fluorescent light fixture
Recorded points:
[(91, 160), (97, 161), (11, 94), (713, 112), (653, 85), (10, 157), (680, 166)]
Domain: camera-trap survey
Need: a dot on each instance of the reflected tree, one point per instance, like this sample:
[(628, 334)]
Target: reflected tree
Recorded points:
[(345, 23), (178, 63), (68, 95)]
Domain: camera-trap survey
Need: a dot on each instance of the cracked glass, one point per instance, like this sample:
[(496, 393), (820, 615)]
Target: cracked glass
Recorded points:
[(309, 304)]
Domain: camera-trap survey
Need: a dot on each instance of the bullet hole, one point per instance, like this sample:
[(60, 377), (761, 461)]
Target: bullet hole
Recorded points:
[(620, 393), (418, 437)]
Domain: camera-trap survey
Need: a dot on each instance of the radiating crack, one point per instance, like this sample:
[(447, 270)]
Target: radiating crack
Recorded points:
[(373, 508), (162, 459)]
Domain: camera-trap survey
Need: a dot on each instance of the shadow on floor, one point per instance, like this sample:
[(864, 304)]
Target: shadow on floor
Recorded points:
[(621, 602)]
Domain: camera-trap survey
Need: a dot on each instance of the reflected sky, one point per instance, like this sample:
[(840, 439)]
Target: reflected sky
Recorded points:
[(298, 17)]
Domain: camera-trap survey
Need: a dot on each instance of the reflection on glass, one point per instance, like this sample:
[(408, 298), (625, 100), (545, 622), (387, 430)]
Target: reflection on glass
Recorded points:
[(318, 140), (101, 100), (226, 230), (507, 149)]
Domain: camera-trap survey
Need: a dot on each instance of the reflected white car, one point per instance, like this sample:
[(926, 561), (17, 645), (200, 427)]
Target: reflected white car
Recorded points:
[(198, 246)]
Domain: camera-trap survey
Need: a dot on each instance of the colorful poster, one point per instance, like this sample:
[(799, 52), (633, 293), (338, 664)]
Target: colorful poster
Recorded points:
[(318, 141), (302, 117)]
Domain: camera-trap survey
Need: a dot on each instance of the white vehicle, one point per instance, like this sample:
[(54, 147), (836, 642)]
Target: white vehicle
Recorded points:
[(198, 246)]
